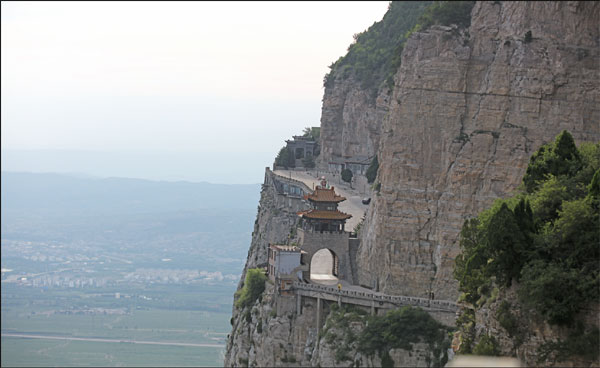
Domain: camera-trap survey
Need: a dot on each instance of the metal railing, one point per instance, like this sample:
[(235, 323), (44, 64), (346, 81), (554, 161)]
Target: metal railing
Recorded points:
[(393, 299)]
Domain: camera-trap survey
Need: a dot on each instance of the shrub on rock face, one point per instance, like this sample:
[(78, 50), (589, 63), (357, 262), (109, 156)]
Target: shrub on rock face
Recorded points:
[(372, 170), (401, 328), (254, 285), (487, 346)]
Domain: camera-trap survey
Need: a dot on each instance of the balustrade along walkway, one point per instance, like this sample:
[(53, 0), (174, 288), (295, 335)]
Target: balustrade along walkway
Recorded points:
[(357, 295)]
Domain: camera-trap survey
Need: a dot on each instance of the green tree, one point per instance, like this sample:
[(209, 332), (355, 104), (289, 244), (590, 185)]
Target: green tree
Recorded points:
[(308, 162), (371, 173), (283, 157), (400, 328), (254, 285), (347, 175), (547, 237), (447, 13), (470, 267), (552, 290), (374, 55), (558, 158), (487, 346), (313, 133), (506, 244), (524, 217), (594, 187)]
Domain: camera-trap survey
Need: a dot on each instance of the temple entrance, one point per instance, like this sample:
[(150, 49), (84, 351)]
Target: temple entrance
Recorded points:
[(324, 266)]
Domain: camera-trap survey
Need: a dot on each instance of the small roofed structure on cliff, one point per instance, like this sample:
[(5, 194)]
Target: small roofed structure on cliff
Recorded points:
[(324, 215), (356, 164), (285, 265), (301, 147)]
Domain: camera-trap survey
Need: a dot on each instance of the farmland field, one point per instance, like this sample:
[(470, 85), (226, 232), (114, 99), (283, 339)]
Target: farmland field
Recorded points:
[(120, 321), (119, 272), (19, 352)]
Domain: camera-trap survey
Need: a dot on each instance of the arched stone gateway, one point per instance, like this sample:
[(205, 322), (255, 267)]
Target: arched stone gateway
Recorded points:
[(322, 230), (324, 265)]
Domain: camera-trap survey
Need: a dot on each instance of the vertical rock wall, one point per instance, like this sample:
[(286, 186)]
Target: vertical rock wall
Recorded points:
[(467, 111), (350, 121)]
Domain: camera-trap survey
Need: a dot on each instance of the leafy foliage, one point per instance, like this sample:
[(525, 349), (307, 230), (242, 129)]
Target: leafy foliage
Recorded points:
[(386, 360), (254, 285), (374, 55), (285, 158), (446, 13), (398, 328), (347, 175), (558, 159), (371, 173), (340, 318), (579, 342), (313, 133), (466, 325), (487, 346), (506, 319), (401, 328), (547, 237)]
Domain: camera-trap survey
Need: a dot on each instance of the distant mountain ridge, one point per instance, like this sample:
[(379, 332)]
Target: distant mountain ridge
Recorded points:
[(66, 192)]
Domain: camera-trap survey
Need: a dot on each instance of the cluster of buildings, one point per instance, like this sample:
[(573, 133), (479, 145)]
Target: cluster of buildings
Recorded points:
[(321, 227), (301, 147)]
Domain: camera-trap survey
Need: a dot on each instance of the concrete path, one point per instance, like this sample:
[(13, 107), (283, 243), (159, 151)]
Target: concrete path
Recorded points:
[(353, 203)]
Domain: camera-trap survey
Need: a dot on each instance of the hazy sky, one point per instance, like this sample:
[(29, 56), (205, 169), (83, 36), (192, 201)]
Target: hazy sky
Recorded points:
[(179, 77)]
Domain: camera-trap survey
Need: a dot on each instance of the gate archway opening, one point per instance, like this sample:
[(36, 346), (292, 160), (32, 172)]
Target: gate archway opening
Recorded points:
[(324, 266)]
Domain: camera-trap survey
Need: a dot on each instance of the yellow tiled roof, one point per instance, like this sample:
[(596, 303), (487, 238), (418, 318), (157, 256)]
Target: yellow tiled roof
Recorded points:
[(325, 215), (324, 195)]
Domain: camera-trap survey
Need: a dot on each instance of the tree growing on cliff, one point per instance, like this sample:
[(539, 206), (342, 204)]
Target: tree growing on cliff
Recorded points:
[(285, 158), (347, 175), (254, 285), (562, 158), (546, 237), (371, 173), (446, 13), (312, 133), (371, 57)]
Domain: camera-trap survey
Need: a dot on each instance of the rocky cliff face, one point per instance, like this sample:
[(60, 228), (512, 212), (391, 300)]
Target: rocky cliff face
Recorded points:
[(467, 111), (350, 121), (261, 334)]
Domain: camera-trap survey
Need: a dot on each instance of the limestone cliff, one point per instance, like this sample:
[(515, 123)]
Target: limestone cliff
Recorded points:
[(466, 110), (350, 121), (260, 335)]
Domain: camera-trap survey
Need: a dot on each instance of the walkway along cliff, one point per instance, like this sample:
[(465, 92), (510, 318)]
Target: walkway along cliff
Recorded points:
[(454, 131)]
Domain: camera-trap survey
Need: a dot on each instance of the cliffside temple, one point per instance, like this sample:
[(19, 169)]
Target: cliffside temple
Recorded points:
[(320, 265)]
